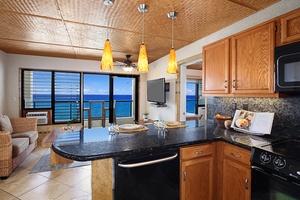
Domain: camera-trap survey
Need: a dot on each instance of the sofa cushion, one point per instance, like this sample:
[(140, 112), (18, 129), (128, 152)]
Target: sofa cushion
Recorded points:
[(31, 135), (19, 145), (5, 124)]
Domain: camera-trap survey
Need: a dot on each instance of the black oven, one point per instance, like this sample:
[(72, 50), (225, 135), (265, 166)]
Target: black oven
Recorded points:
[(275, 169), (287, 68), (148, 176)]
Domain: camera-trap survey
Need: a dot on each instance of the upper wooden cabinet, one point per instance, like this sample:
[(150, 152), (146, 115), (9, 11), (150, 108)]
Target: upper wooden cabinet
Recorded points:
[(216, 68), (252, 61), (290, 27), (242, 65)]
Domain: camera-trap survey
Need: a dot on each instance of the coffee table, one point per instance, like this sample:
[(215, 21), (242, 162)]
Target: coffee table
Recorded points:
[(56, 159)]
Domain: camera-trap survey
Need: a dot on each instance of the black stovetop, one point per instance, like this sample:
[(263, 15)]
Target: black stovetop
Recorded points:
[(280, 156)]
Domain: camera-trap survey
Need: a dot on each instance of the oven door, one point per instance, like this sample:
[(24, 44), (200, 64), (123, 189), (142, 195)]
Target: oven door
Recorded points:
[(266, 185)]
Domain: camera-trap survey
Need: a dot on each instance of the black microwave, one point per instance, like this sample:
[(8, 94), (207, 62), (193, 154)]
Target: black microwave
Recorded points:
[(287, 68)]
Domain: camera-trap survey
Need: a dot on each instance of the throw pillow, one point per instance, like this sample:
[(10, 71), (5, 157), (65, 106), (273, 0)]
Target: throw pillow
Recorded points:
[(5, 124)]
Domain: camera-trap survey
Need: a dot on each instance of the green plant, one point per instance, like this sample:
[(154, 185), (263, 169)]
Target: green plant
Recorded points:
[(145, 113), (71, 121)]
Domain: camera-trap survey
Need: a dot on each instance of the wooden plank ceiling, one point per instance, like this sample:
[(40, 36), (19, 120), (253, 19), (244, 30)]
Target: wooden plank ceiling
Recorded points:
[(79, 28)]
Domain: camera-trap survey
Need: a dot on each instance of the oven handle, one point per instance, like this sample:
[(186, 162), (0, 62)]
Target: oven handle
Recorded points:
[(148, 162)]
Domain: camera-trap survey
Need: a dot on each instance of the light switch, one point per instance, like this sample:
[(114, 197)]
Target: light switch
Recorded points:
[(14, 98)]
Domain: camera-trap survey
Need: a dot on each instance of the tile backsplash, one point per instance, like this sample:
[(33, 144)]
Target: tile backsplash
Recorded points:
[(287, 111)]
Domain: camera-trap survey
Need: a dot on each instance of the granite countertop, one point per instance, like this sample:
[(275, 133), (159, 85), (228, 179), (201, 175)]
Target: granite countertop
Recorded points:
[(96, 143)]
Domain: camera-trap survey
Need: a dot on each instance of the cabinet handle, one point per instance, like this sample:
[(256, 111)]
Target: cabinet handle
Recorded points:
[(184, 176), (235, 155), (233, 84), (199, 152), (246, 184), (225, 84)]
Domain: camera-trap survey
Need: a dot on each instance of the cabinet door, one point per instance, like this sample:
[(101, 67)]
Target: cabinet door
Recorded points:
[(216, 68), (196, 179), (236, 181), (252, 61), (290, 28)]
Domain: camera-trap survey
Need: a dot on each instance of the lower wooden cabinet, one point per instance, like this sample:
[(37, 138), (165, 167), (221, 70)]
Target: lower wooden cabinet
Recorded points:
[(236, 173), (217, 170), (196, 172)]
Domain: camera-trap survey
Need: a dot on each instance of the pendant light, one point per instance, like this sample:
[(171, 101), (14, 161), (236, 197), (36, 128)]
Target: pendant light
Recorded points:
[(143, 58), (107, 62), (107, 59), (172, 65)]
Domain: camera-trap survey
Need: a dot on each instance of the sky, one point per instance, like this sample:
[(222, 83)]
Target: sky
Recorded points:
[(99, 84)]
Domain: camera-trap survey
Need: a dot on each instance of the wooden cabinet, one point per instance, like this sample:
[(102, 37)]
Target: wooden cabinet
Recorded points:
[(216, 68), (290, 27), (252, 61), (196, 172), (248, 72), (236, 173)]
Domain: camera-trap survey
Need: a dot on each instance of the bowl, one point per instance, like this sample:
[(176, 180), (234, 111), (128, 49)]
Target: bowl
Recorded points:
[(221, 119)]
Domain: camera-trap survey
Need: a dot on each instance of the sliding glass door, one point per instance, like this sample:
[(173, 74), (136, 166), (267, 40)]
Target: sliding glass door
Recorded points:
[(109, 98), (124, 96)]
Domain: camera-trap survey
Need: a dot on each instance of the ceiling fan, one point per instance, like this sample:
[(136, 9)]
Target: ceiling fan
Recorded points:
[(127, 64)]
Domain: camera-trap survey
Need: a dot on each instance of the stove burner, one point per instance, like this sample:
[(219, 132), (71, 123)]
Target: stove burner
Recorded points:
[(281, 157)]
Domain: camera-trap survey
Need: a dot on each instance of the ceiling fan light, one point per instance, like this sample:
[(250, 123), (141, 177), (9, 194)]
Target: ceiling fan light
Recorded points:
[(128, 68), (143, 59), (172, 65), (107, 59)]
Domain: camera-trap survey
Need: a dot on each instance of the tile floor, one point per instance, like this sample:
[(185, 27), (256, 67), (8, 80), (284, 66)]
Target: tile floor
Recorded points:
[(64, 184)]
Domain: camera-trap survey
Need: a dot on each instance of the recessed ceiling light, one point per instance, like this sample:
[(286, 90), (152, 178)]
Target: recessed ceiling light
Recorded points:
[(108, 2)]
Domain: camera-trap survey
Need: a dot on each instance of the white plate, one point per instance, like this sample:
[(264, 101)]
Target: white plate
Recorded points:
[(129, 126), (172, 123)]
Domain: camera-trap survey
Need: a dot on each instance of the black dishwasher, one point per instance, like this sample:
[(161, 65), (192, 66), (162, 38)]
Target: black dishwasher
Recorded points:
[(147, 176)]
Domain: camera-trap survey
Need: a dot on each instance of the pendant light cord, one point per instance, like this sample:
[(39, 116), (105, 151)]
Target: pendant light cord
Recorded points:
[(172, 33), (143, 27)]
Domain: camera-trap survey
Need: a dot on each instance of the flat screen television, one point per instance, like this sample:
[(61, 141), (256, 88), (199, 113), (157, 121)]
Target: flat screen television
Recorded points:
[(156, 91)]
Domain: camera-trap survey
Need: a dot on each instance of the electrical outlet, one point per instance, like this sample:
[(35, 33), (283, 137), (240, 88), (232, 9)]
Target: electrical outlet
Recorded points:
[(245, 106), (233, 106)]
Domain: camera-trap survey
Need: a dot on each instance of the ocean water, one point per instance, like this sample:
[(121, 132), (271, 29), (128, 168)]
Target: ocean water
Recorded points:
[(69, 102), (190, 103), (66, 106)]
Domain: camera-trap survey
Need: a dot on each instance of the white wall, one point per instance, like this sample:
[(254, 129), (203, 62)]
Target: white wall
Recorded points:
[(16, 62), (159, 67), (2, 80)]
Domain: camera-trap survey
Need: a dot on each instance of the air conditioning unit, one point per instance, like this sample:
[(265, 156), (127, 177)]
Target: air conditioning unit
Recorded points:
[(41, 116)]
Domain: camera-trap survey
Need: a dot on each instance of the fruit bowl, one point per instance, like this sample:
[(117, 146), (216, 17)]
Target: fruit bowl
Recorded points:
[(220, 119)]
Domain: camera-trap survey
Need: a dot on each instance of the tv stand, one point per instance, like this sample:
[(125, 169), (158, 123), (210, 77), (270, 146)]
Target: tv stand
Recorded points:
[(158, 104)]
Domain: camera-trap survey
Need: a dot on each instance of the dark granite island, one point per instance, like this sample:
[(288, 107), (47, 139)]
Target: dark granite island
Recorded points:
[(98, 146)]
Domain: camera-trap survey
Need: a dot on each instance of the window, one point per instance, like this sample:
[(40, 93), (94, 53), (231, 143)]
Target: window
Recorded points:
[(58, 91), (194, 95), (66, 96), (70, 94), (37, 89)]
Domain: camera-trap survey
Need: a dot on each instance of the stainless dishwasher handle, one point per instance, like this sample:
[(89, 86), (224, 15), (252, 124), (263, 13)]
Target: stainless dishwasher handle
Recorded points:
[(150, 162)]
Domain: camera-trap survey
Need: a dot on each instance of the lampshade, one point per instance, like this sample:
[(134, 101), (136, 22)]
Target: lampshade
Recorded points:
[(107, 59), (172, 65), (143, 59)]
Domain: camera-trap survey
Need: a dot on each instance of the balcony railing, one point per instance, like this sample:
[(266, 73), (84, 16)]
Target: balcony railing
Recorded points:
[(65, 111)]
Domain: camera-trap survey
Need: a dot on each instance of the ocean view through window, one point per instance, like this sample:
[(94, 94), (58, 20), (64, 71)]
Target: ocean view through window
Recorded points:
[(61, 92)]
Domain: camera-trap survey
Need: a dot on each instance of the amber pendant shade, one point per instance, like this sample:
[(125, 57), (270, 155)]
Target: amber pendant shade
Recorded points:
[(107, 59), (172, 65), (143, 59)]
